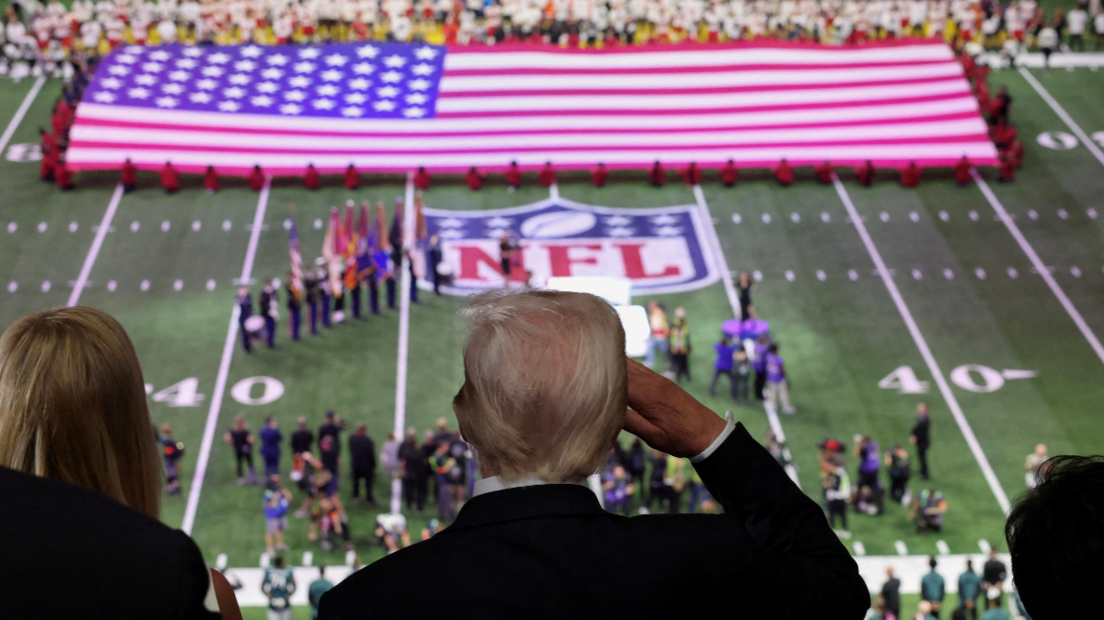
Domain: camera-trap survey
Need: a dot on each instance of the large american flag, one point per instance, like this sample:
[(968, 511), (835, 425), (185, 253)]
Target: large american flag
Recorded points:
[(391, 107)]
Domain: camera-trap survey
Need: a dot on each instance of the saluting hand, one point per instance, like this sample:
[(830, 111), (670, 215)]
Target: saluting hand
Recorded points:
[(665, 416)]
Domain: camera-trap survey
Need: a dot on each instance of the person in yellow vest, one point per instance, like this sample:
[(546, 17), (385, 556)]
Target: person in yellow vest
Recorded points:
[(680, 346)]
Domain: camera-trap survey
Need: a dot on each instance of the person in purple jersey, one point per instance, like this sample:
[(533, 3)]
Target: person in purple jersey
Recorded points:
[(723, 366), (759, 364), (777, 390), (270, 446)]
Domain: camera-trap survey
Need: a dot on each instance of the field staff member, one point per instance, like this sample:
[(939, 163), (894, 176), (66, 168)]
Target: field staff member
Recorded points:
[(544, 398), (921, 437)]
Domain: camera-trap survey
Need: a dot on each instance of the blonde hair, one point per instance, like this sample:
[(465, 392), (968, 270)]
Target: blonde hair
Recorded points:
[(545, 383), (73, 406)]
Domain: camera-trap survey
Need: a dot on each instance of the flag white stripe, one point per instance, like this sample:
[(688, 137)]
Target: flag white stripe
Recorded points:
[(970, 127), (496, 103), (246, 122), (949, 151), (692, 79), (673, 58)]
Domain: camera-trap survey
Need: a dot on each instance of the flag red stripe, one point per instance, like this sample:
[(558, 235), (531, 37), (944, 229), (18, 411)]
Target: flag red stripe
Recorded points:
[(651, 71)]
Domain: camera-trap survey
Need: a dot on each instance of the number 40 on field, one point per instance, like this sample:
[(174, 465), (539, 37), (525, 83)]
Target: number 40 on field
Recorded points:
[(971, 377), (186, 393)]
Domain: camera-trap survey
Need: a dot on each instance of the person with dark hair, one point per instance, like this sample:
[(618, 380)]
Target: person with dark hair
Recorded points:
[(128, 176), (294, 305), (311, 178), (242, 440), (823, 173), (362, 454), (210, 180), (421, 179), (170, 178), (723, 365), (547, 176), (932, 588), (777, 391), (656, 174), (415, 482), (897, 460), (928, 508), (599, 176), (865, 173), (784, 173), (837, 492), (513, 177), (474, 179), (692, 175), (969, 589), (962, 172), (921, 437), (270, 446), (910, 175), (172, 451), (256, 179), (729, 174), (994, 610), (278, 586), (352, 178), (277, 503), (317, 588)]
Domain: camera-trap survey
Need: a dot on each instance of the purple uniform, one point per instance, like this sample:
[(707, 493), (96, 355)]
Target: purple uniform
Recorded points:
[(760, 362), (774, 364), (724, 356)]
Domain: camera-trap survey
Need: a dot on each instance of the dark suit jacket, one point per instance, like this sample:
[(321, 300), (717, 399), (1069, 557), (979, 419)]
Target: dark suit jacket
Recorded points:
[(553, 552), (68, 552), (362, 453)]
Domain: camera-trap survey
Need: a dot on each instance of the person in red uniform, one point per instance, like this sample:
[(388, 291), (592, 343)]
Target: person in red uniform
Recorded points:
[(547, 175), (656, 174), (170, 178), (513, 176), (824, 172), (62, 175), (962, 172), (310, 177), (61, 119), (865, 173), (421, 179), (599, 176), (256, 179), (474, 179), (1003, 135), (910, 176), (128, 175), (729, 174), (784, 173), (1016, 153), (352, 178), (1007, 170), (692, 175), (49, 155), (210, 180)]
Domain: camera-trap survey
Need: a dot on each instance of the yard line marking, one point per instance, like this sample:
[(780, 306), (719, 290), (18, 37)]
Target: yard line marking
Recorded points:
[(20, 113), (1074, 127), (1040, 267), (409, 220), (925, 352), (554, 191), (224, 368), (730, 290), (97, 243)]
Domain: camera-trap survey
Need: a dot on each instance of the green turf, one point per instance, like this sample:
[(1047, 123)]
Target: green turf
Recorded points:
[(839, 336)]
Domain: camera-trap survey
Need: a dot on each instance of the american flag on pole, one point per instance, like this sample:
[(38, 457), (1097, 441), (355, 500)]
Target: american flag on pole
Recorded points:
[(391, 107), (296, 259)]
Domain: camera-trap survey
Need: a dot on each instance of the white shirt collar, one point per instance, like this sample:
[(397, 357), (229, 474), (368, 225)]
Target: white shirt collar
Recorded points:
[(494, 483)]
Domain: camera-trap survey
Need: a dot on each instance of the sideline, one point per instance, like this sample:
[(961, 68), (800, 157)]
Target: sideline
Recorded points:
[(97, 243), (730, 290), (409, 222), (925, 351), (224, 368), (1037, 262), (20, 113)]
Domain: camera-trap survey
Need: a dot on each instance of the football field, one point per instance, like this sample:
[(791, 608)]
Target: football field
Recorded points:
[(986, 301)]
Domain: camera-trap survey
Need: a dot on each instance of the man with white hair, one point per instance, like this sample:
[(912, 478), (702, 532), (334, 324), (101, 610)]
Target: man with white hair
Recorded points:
[(547, 391)]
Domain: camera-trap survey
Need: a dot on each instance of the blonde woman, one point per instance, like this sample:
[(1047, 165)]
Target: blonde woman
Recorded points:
[(73, 408)]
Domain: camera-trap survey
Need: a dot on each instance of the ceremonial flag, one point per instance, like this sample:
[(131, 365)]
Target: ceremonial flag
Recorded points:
[(296, 259), (392, 107), (331, 251)]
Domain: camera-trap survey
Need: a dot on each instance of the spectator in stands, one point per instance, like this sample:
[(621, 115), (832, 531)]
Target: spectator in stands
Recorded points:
[(277, 503), (270, 446), (242, 441), (897, 461), (73, 408), (891, 593), (921, 437), (545, 395), (969, 589), (316, 589), (362, 454), (932, 588), (1056, 538)]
